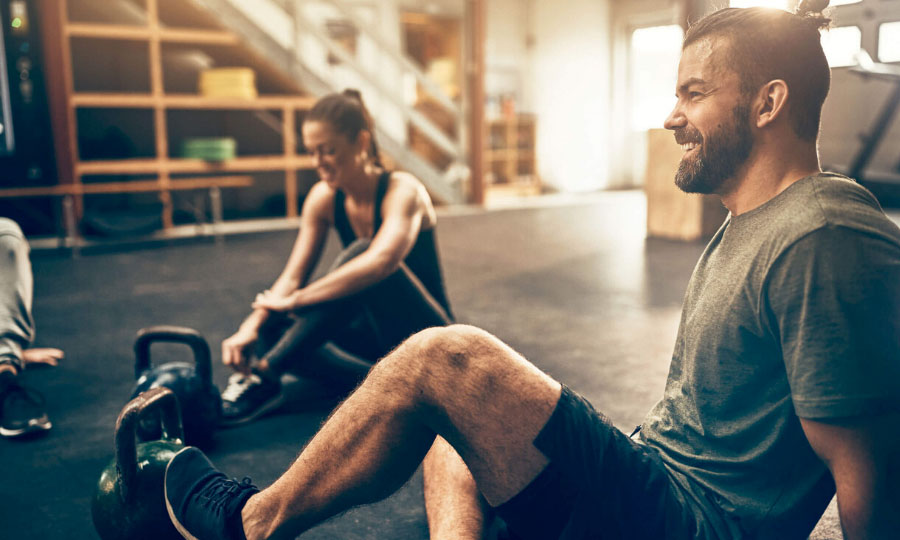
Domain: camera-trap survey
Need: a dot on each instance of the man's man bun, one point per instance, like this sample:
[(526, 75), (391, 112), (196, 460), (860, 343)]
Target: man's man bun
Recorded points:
[(811, 11)]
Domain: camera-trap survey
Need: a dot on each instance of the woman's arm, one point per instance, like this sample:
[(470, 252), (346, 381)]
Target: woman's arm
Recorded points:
[(314, 222), (405, 206)]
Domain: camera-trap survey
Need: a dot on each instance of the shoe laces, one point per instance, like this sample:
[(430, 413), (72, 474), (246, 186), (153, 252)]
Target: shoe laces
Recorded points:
[(238, 384), (222, 493)]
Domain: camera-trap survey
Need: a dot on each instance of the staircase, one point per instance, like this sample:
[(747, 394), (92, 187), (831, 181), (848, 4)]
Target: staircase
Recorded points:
[(301, 37)]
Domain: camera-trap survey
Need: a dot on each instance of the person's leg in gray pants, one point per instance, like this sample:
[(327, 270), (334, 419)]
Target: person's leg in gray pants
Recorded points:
[(21, 409), (16, 322)]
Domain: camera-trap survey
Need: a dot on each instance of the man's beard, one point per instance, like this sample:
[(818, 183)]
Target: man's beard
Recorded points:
[(720, 155)]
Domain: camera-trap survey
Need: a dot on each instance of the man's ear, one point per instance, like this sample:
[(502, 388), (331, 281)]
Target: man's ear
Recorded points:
[(771, 102)]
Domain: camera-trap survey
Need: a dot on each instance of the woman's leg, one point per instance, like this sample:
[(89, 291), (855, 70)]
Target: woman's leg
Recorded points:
[(401, 305), (396, 307)]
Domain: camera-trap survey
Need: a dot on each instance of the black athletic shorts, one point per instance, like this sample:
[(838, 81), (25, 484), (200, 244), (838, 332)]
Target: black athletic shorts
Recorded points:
[(599, 484)]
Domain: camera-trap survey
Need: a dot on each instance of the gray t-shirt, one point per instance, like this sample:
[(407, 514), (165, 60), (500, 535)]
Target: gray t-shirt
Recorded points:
[(792, 311)]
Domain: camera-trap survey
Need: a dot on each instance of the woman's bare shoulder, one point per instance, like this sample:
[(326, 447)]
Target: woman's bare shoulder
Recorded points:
[(320, 201), (409, 192)]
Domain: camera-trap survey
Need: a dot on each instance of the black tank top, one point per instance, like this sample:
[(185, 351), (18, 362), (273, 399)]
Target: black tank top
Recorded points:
[(422, 260)]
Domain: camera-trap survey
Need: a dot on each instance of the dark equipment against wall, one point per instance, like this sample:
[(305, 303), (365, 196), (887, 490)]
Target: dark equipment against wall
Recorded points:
[(198, 397), (129, 502), (26, 139), (885, 186)]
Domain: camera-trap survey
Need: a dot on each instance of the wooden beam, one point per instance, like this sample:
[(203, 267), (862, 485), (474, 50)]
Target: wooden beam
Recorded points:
[(175, 184), (108, 31), (180, 165), (475, 31), (190, 101), (113, 100), (187, 101), (157, 90), (289, 136), (200, 37), (58, 83)]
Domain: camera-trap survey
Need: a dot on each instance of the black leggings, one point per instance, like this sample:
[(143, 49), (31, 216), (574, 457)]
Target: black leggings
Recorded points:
[(341, 339)]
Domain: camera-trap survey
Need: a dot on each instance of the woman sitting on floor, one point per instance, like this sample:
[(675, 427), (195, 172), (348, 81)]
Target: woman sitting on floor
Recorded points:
[(385, 285)]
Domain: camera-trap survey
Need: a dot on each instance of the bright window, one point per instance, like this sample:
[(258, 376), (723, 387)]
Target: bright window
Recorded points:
[(654, 68), (843, 2), (841, 45), (889, 42)]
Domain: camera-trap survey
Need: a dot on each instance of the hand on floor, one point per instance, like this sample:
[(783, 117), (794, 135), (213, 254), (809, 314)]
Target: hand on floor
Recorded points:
[(42, 356)]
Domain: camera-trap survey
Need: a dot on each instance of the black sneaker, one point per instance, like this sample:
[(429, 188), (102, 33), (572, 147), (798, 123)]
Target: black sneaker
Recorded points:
[(22, 411), (202, 502), (247, 397)]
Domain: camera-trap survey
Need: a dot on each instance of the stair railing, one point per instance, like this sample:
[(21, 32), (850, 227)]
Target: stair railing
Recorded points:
[(282, 30)]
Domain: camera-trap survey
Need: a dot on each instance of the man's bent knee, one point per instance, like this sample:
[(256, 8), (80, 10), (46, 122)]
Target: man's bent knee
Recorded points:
[(438, 346), (459, 358), (454, 346)]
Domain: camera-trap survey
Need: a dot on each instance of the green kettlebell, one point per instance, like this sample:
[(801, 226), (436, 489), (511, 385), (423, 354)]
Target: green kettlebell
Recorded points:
[(129, 502)]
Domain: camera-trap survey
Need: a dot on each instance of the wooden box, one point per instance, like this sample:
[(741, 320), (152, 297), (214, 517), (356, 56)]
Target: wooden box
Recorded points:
[(672, 213)]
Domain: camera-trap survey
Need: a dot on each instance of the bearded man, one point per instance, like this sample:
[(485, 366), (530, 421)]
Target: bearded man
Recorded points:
[(784, 384)]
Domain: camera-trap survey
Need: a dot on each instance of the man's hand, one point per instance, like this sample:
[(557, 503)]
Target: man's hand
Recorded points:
[(273, 301), (236, 349), (42, 357), (863, 455)]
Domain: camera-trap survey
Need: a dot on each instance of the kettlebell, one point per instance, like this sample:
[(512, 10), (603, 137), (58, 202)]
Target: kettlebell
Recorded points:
[(201, 404), (129, 503)]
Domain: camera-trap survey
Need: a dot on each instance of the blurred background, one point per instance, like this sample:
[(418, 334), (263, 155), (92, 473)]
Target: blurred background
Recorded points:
[(128, 118)]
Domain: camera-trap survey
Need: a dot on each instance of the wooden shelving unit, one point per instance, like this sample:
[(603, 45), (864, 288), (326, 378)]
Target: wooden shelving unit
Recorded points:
[(509, 158), (67, 101)]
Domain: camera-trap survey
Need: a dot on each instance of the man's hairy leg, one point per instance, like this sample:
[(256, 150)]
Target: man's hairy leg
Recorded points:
[(458, 382), (454, 506)]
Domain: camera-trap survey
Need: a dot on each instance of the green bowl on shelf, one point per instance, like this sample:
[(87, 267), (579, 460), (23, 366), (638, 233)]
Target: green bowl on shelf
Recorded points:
[(209, 148)]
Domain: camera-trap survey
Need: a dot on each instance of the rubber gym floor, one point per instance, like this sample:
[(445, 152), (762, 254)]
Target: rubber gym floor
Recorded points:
[(573, 286)]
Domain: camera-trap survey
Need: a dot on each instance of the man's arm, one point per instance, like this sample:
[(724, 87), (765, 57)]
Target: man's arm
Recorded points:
[(863, 455)]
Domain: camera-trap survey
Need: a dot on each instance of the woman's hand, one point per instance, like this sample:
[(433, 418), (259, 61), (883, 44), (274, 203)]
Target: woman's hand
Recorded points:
[(236, 350), (273, 301)]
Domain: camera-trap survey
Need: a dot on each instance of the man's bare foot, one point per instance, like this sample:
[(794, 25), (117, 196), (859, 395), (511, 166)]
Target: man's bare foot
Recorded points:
[(42, 356)]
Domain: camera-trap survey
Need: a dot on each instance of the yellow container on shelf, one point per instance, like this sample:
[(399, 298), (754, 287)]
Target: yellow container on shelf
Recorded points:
[(234, 82)]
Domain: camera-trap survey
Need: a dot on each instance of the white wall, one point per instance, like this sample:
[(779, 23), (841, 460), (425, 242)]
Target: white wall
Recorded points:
[(571, 85), (507, 56)]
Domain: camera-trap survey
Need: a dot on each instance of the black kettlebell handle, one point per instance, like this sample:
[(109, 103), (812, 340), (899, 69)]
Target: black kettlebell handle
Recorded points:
[(126, 434), (172, 334)]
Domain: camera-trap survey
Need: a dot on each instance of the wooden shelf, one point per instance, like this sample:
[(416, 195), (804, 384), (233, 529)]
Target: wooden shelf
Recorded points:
[(186, 101), (108, 31), (158, 170), (138, 33), (510, 157), (198, 37), (113, 100), (180, 165), (190, 101), (175, 184)]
